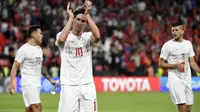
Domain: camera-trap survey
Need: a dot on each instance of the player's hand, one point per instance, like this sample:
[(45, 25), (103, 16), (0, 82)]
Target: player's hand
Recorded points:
[(88, 6), (11, 89), (69, 11), (52, 82), (179, 66)]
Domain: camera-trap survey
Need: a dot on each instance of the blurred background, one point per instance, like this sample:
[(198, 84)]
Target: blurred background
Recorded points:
[(132, 34)]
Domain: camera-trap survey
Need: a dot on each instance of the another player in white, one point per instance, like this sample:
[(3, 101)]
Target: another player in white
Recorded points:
[(177, 56), (77, 85), (29, 59)]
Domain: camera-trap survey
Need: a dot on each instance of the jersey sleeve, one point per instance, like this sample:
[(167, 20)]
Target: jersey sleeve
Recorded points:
[(89, 35), (57, 37), (191, 51), (42, 52), (20, 55), (164, 52)]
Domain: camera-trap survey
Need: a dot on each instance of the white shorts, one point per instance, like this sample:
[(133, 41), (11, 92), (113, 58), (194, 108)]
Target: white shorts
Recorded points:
[(78, 98), (31, 95), (181, 92)]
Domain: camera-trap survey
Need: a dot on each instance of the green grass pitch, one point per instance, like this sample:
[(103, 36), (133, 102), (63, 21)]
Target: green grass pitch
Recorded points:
[(107, 102)]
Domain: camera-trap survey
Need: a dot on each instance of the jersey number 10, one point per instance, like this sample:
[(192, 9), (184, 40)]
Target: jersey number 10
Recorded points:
[(79, 52)]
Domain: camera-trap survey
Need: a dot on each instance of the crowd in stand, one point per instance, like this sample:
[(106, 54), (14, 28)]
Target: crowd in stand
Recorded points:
[(132, 32)]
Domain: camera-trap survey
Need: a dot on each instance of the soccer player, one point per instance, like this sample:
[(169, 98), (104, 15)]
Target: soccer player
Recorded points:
[(29, 59), (77, 85), (177, 56)]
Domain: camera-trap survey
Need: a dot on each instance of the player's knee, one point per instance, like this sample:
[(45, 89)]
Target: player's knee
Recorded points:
[(182, 107), (188, 108), (39, 106), (34, 107)]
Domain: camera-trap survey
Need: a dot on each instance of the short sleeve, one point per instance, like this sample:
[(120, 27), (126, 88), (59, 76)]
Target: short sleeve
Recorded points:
[(88, 35), (191, 51), (164, 52), (20, 55), (57, 36)]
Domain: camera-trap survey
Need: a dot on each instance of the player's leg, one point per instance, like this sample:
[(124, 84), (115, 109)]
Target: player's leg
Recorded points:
[(178, 95), (26, 98), (39, 106), (188, 108), (89, 99), (34, 108), (28, 109), (31, 95), (35, 100), (69, 97), (189, 97), (181, 107)]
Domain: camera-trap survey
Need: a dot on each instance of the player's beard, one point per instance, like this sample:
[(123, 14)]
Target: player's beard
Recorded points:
[(178, 38), (79, 28)]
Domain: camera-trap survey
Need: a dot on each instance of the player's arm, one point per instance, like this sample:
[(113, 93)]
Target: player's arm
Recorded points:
[(194, 65), (64, 33), (163, 64), (192, 62), (93, 27), (47, 76), (13, 73)]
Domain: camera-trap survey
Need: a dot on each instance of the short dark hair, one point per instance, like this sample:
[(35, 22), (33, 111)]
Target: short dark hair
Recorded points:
[(79, 10), (178, 24), (31, 29)]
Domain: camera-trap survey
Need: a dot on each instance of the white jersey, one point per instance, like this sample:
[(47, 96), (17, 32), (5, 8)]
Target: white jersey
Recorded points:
[(30, 59), (177, 52), (76, 59)]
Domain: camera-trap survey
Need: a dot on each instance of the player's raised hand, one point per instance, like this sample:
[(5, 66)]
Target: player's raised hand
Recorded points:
[(88, 5), (11, 89), (69, 11)]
